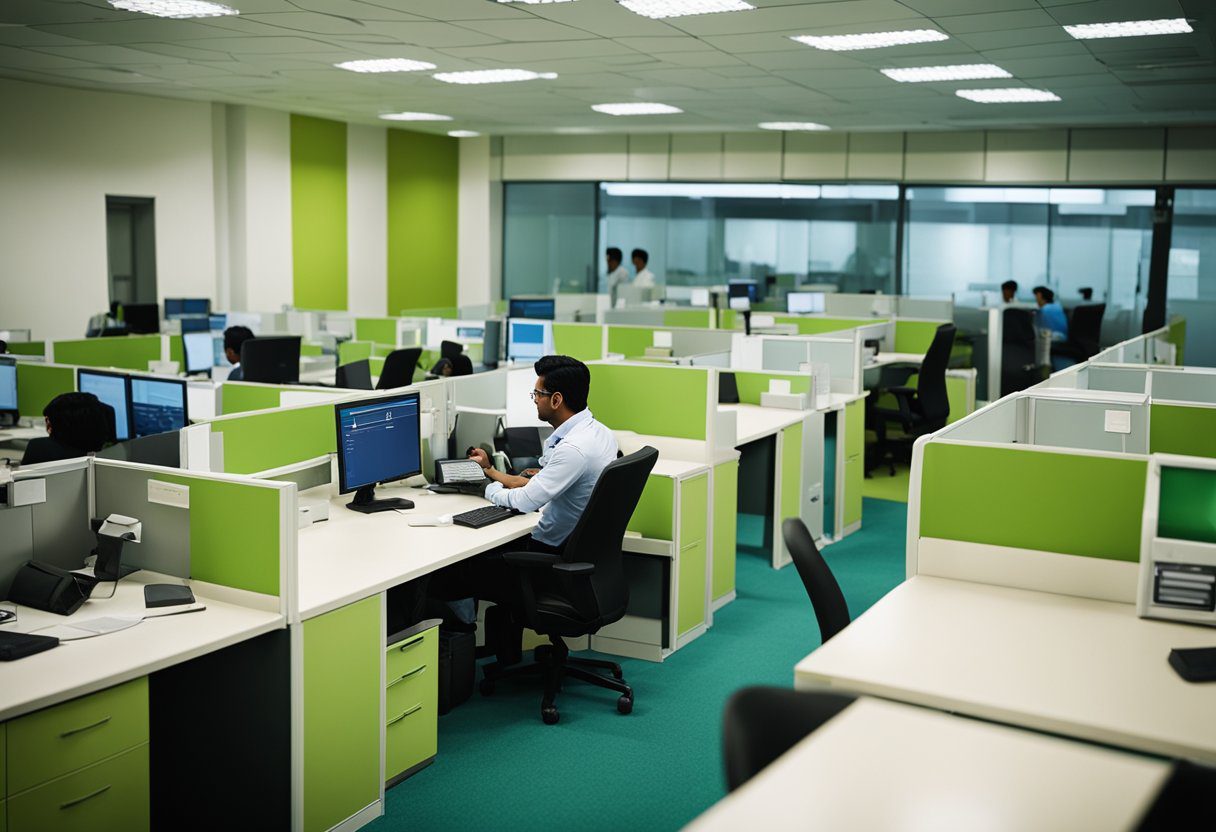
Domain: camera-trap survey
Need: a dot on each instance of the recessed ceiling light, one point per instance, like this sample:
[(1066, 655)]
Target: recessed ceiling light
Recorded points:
[(385, 65), (469, 134), (955, 72), (491, 76), (174, 8), (1130, 28), (414, 117), (1010, 95), (871, 40), (657, 9), (792, 125), (636, 108)]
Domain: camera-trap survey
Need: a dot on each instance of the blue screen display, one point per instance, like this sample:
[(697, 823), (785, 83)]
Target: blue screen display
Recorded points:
[(527, 341), (199, 348), (8, 386), (379, 441), (157, 406), (539, 308), (111, 390), (218, 322)]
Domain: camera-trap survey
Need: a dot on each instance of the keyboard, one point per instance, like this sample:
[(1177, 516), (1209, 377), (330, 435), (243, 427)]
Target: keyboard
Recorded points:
[(483, 516)]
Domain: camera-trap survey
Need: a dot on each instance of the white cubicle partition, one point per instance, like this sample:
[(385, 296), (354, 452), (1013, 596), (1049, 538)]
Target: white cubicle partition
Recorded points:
[(841, 352)]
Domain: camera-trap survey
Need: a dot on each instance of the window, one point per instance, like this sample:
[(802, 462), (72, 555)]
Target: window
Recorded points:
[(548, 238), (131, 249), (1192, 271)]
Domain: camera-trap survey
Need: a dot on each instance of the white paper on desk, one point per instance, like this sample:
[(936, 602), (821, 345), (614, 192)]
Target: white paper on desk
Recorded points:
[(763, 321), (662, 338), (779, 386), (89, 628)]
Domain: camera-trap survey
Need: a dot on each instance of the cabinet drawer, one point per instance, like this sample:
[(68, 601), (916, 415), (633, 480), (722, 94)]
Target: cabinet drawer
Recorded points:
[(855, 429), (65, 737), (692, 577), (694, 509), (421, 684), (410, 738), (112, 794), (411, 653)]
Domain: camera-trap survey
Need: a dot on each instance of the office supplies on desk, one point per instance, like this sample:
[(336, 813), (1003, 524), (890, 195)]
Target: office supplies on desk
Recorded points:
[(440, 520), (91, 627), (484, 516), (167, 595), (19, 645), (160, 612), (459, 476), (1195, 664), (49, 588)]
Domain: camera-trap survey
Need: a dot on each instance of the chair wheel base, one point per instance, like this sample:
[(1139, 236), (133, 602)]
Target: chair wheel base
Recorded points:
[(549, 714), (624, 705)]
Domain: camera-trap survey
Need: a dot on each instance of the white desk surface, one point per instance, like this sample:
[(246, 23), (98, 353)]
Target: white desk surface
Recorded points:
[(1072, 666), (754, 422), (352, 556), (883, 765), (837, 401), (17, 434), (885, 358), (75, 668)]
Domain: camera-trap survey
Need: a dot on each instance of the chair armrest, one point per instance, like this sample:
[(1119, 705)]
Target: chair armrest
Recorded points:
[(531, 558), (575, 568), (908, 392)]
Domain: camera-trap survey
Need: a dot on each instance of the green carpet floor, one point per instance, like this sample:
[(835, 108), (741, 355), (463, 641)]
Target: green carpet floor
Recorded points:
[(499, 767)]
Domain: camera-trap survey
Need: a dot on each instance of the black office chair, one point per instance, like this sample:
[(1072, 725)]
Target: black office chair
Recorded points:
[(523, 447), (1019, 363), (398, 370), (762, 723), (577, 592), (450, 349), (357, 375), (1084, 333), (922, 409), (831, 609), (1186, 795)]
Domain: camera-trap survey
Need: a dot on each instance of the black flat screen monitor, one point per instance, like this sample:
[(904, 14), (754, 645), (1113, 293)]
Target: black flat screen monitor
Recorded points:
[(141, 318), (541, 309), (112, 389), (357, 375), (272, 360), (745, 289), (195, 325), (158, 405), (491, 345), (199, 348), (379, 440), (8, 384), (183, 307)]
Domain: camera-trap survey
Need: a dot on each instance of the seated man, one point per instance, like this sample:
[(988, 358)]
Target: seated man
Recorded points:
[(77, 425), (234, 338)]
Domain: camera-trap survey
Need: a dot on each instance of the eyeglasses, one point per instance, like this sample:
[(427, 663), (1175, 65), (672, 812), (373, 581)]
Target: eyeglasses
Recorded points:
[(542, 393)]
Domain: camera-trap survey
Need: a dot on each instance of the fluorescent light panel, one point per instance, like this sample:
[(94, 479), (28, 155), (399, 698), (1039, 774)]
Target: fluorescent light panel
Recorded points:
[(491, 76), (954, 72), (174, 8), (385, 65), (790, 126), (636, 108), (659, 9), (408, 116), (871, 40), (469, 134), (1130, 28), (1011, 95)]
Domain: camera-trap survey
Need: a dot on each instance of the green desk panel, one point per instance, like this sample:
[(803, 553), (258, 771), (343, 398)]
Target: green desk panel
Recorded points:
[(261, 441), (242, 398), (630, 341), (726, 520), (791, 473), (582, 341), (1177, 429), (661, 401), (1032, 499), (653, 516), (130, 353), (694, 506), (38, 384)]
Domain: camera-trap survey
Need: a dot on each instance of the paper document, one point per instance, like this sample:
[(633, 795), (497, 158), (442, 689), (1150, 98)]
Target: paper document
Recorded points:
[(89, 628)]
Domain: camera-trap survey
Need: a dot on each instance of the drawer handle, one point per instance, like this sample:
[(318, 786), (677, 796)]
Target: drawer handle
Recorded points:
[(397, 719), (411, 643), (80, 800), (413, 672), (96, 724)]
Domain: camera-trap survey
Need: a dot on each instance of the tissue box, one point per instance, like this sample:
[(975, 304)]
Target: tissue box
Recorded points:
[(790, 401)]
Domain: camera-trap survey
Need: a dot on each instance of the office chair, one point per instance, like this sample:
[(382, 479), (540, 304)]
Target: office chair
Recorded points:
[(922, 409), (111, 420), (462, 365), (762, 723), (1084, 333), (580, 590), (398, 370), (357, 375), (1185, 796), (1019, 369), (523, 447), (831, 609), (449, 349)]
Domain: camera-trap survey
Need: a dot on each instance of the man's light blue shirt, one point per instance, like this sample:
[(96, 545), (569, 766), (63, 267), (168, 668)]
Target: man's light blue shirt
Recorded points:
[(1052, 317), (574, 456)]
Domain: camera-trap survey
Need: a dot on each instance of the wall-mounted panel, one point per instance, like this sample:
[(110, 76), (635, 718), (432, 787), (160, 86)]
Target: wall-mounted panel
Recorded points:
[(1026, 156), (815, 156), (696, 156), (648, 157), (876, 156), (318, 213), (367, 219), (1190, 154), (944, 157), (752, 157), (1104, 155), (423, 188), (577, 158)]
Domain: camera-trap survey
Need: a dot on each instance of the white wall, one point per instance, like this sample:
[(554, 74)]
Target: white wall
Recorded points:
[(61, 152), (367, 219), (473, 224)]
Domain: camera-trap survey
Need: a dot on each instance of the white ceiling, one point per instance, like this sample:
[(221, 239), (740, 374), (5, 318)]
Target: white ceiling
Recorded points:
[(727, 71)]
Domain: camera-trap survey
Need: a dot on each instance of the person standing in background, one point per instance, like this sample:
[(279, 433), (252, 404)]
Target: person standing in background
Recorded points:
[(1009, 291), (618, 275), (644, 276)]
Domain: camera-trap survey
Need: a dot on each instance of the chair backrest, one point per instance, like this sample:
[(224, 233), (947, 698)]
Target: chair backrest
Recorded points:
[(398, 370), (598, 536), (448, 349), (357, 375), (826, 598), (1085, 327), (462, 365), (931, 381), (1017, 326)]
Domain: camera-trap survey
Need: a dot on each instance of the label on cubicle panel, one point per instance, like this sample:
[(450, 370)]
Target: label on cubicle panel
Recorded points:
[(168, 494)]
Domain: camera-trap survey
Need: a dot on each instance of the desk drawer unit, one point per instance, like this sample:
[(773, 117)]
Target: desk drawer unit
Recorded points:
[(112, 794), (854, 465), (693, 554), (411, 704)]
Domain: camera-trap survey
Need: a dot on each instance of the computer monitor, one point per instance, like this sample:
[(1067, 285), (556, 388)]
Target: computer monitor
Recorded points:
[(528, 340), (200, 351), (141, 318), (272, 360), (491, 344), (112, 389), (470, 331), (541, 309), (194, 325), (219, 357), (805, 302), (744, 289), (379, 440), (158, 405), (218, 323), (8, 384), (183, 307), (357, 375)]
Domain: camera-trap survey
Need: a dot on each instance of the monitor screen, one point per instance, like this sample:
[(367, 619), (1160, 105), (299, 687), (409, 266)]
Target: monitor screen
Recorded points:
[(1187, 504), (8, 384), (491, 344), (744, 289), (218, 322), (183, 307), (272, 360), (219, 357), (111, 389), (158, 405), (529, 340), (805, 302), (200, 351), (379, 440), (470, 332), (536, 308), (141, 318), (195, 325)]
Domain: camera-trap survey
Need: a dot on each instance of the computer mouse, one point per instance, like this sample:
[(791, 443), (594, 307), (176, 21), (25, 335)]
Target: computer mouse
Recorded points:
[(443, 520)]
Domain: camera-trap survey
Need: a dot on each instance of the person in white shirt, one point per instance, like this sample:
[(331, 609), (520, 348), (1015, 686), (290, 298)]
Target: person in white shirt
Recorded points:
[(1009, 291), (618, 275), (644, 276)]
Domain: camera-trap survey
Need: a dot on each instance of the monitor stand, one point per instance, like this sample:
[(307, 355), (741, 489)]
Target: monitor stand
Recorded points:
[(365, 501)]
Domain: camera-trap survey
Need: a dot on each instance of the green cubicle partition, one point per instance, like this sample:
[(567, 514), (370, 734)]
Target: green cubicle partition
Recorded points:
[(349, 351), (915, 336), (582, 341), (666, 401), (630, 341), (266, 439), (752, 384), (1182, 429), (379, 330), (242, 397), (809, 325), (448, 312), (1176, 335), (132, 352), (37, 384), (27, 347), (699, 318)]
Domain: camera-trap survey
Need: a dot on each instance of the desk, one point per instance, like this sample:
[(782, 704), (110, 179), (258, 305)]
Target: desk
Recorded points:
[(1073, 666), (882, 765), (884, 359), (18, 438)]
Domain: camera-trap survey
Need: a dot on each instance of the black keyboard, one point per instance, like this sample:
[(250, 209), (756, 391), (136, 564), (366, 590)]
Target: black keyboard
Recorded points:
[(483, 516)]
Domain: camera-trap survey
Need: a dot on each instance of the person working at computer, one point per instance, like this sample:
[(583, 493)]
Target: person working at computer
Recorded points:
[(644, 276), (1009, 291), (618, 275), (234, 338), (1051, 314), (77, 424)]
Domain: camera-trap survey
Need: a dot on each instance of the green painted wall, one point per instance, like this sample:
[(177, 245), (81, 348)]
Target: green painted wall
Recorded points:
[(423, 184), (1176, 429), (1032, 499), (318, 212), (37, 385), (663, 401)]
